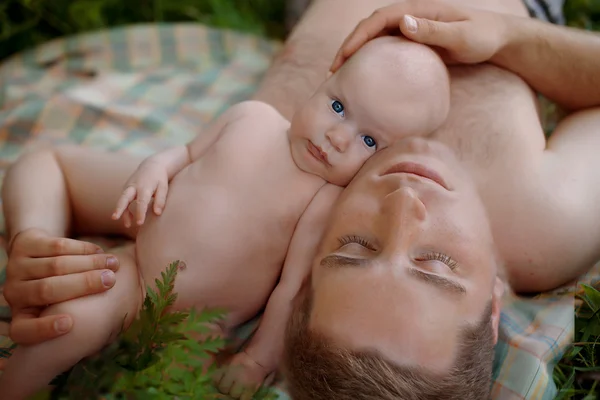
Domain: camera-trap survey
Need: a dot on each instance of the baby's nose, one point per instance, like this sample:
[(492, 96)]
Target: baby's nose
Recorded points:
[(340, 137)]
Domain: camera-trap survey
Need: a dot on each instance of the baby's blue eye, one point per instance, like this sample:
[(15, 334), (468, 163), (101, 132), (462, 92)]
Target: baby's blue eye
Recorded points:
[(337, 107), (369, 141)]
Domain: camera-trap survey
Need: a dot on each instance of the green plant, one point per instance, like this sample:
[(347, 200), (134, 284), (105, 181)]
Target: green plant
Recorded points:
[(583, 13), (577, 375), (155, 358)]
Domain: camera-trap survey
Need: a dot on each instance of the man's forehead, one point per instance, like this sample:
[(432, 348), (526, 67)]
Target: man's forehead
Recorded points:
[(358, 314)]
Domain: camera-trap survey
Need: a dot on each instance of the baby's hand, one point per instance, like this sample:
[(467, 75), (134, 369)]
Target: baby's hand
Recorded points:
[(149, 180), (242, 378)]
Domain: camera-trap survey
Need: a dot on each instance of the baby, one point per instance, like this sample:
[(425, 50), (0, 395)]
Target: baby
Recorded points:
[(244, 204)]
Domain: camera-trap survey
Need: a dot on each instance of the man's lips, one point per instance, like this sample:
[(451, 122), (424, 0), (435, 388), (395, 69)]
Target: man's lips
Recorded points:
[(317, 153), (419, 170)]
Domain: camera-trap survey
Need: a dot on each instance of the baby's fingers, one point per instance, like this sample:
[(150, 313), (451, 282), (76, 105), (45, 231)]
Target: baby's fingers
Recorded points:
[(160, 197), (143, 199), (126, 198), (127, 219)]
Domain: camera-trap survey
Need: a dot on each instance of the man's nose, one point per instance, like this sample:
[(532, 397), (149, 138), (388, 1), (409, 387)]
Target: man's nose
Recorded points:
[(340, 137), (405, 215)]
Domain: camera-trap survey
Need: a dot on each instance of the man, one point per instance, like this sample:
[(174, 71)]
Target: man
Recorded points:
[(491, 159), (405, 294)]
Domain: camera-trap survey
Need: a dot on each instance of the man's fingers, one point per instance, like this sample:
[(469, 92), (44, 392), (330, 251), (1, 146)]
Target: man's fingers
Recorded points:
[(56, 289), (27, 328), (366, 30), (40, 268), (126, 198), (446, 35), (38, 244), (382, 20), (388, 18)]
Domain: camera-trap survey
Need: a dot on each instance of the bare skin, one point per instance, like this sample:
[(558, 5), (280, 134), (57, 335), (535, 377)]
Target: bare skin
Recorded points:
[(38, 278), (214, 208), (482, 100), (488, 189)]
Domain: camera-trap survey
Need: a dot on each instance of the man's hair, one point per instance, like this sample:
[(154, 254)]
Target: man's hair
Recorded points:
[(316, 368)]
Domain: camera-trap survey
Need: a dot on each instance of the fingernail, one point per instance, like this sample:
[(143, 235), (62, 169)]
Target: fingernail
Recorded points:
[(108, 278), (62, 325), (411, 23), (99, 251), (112, 262)]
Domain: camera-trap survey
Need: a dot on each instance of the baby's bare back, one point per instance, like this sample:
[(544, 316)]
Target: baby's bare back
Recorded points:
[(229, 218)]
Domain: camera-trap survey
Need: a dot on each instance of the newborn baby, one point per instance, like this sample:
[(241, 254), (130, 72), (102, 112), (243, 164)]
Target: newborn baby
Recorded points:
[(246, 198)]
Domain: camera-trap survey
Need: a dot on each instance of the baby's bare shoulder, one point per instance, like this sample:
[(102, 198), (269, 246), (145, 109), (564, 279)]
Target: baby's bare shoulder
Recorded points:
[(253, 110)]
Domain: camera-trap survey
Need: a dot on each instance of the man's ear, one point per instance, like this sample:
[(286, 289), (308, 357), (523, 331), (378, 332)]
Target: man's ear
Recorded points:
[(497, 296)]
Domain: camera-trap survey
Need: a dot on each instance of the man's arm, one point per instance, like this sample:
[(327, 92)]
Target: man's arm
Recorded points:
[(302, 64), (265, 349), (561, 63)]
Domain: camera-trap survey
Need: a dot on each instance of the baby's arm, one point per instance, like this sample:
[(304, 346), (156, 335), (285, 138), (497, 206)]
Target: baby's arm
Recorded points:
[(263, 352), (152, 177)]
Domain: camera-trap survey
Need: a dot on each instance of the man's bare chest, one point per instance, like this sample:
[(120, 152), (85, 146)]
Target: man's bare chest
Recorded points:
[(494, 123)]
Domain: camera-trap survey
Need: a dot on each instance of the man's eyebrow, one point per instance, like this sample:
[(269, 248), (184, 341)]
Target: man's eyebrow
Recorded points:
[(439, 281), (337, 261)]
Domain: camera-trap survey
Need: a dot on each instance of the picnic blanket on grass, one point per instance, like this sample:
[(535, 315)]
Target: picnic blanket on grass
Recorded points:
[(139, 89)]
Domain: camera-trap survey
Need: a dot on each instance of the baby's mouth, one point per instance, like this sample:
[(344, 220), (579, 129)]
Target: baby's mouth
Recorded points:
[(318, 153)]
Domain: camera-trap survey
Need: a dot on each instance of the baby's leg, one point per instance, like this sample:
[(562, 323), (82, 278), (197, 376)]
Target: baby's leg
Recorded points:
[(97, 319), (67, 189)]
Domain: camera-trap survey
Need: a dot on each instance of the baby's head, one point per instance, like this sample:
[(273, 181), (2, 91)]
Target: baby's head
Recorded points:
[(390, 89)]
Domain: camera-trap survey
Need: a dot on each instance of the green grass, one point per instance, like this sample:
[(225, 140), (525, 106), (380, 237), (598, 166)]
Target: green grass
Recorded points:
[(577, 375), (27, 23), (583, 13)]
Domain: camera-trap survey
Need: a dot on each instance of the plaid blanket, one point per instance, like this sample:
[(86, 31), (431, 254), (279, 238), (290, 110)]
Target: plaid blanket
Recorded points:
[(141, 88)]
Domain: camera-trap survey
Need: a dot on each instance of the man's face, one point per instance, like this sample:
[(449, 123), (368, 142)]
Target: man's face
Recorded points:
[(408, 258)]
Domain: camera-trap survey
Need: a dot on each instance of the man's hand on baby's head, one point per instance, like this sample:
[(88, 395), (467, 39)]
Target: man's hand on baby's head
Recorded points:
[(242, 377), (150, 180), (460, 34), (43, 270)]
